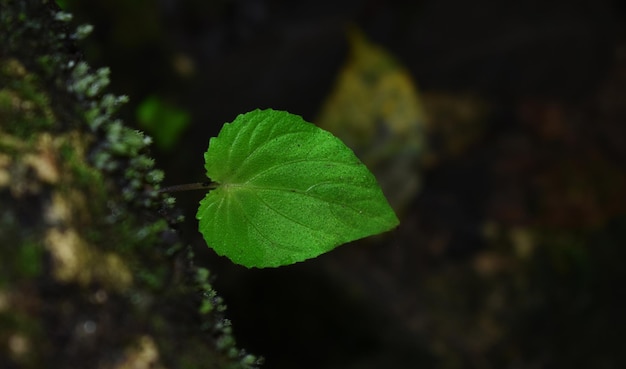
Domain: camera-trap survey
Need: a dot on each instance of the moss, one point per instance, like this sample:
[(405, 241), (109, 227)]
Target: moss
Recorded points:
[(29, 260), (26, 258), (19, 338), (93, 272), (22, 101), (72, 152)]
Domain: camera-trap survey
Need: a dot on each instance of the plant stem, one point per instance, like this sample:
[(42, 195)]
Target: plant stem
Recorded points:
[(190, 186)]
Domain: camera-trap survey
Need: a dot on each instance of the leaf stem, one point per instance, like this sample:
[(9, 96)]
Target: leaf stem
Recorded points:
[(190, 186)]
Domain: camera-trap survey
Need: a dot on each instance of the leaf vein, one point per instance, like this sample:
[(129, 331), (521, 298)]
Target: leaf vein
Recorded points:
[(258, 230), (291, 218), (286, 163), (265, 143)]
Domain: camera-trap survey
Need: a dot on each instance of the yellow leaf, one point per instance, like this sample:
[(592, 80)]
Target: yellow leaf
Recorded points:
[(375, 109)]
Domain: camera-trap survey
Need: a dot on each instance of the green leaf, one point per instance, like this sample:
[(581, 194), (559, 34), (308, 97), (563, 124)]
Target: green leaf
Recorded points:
[(287, 191), (163, 121)]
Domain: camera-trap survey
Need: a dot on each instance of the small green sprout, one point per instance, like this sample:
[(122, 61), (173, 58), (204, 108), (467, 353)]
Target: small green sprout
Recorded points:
[(283, 190)]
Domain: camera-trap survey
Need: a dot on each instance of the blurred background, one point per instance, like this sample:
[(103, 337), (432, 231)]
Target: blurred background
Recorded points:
[(497, 130)]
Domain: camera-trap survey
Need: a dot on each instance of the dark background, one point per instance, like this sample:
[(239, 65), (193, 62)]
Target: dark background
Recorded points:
[(510, 255)]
